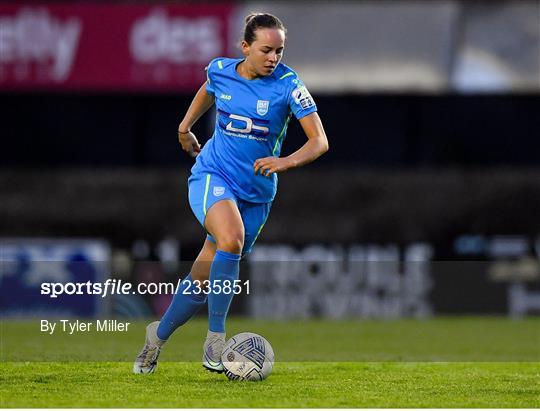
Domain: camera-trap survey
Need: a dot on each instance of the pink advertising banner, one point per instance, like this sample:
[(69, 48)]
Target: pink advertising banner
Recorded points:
[(103, 47)]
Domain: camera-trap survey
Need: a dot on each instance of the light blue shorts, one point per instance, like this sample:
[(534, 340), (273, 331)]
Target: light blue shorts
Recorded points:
[(207, 189)]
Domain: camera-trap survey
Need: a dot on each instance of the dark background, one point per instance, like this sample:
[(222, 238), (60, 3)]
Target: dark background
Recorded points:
[(81, 130)]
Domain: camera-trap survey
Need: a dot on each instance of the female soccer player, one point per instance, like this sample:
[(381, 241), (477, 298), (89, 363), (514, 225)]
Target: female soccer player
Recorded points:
[(234, 179)]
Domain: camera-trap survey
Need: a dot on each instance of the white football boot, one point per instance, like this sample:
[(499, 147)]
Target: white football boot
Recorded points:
[(146, 361), (212, 349)]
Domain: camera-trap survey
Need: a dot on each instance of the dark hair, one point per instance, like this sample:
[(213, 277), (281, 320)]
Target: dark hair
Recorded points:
[(260, 20)]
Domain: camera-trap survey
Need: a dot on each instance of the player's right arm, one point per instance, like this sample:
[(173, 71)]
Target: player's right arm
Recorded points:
[(200, 105)]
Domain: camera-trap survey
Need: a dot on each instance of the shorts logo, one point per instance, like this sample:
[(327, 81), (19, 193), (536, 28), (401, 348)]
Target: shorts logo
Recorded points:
[(219, 191), (262, 107)]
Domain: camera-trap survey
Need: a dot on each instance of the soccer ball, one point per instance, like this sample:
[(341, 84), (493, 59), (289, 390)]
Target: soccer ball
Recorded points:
[(247, 356)]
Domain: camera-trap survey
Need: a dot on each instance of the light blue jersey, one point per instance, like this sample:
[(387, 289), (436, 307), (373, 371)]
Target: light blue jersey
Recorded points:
[(251, 123)]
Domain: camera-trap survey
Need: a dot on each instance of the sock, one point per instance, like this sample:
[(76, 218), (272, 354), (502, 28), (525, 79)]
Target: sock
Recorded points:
[(226, 266), (182, 308)]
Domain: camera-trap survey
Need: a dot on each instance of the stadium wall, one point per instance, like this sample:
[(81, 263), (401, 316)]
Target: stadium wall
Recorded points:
[(366, 206)]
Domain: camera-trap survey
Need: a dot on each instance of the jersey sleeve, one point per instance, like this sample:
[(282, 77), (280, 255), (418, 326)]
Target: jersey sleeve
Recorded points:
[(210, 69), (300, 101)]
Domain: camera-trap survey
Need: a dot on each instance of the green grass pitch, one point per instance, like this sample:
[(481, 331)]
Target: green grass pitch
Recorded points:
[(449, 362)]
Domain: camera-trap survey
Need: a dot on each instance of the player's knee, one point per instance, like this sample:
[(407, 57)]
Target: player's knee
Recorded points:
[(231, 242)]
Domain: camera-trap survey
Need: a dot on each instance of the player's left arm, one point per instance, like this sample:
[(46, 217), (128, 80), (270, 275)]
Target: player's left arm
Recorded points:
[(315, 146)]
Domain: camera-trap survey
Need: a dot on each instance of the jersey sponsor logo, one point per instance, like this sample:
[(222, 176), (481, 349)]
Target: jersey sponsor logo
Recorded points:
[(218, 191), (262, 107), (224, 96), (302, 97), (242, 124)]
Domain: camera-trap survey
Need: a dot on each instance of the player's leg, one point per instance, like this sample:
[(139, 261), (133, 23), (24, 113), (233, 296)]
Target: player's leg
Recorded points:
[(224, 222), (200, 271), (186, 305), (182, 308)]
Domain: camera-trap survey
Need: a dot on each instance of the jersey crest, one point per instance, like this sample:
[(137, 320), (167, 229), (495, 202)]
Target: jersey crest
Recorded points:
[(262, 107)]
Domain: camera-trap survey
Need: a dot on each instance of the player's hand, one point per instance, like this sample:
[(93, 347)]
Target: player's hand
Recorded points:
[(189, 143), (268, 165)]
